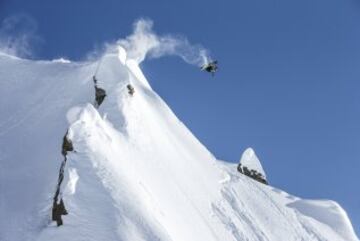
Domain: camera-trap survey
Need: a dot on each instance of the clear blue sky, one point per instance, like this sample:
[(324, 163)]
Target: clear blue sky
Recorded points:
[(288, 84)]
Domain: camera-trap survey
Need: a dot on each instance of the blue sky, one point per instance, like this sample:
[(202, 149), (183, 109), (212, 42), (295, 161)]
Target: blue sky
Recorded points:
[(288, 83)]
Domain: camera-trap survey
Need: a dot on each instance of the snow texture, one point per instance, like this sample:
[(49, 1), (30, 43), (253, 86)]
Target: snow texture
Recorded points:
[(137, 173), (251, 161)]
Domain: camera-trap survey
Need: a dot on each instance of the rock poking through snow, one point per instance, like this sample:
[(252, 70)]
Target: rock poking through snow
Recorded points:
[(250, 166), (58, 208), (136, 171), (100, 94)]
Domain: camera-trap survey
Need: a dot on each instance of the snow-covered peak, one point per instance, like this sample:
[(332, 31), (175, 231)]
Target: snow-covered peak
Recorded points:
[(251, 161), (134, 171)]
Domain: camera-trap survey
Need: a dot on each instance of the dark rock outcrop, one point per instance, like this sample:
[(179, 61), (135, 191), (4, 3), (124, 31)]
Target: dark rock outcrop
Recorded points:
[(58, 208), (252, 173), (131, 89), (57, 211), (67, 145), (100, 94)]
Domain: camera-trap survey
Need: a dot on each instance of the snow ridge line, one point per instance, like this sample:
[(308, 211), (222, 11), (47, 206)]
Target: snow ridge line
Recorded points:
[(58, 208)]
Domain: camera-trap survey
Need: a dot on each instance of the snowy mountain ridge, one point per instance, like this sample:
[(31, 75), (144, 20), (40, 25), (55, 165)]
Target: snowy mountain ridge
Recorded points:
[(136, 172)]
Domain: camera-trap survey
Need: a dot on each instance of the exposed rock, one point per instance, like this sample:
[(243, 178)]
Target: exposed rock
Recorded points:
[(250, 166), (67, 145), (130, 89), (252, 173), (100, 93), (58, 208), (57, 211)]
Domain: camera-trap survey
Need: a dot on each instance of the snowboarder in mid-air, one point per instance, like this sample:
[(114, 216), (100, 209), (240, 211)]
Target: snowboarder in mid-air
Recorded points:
[(210, 67)]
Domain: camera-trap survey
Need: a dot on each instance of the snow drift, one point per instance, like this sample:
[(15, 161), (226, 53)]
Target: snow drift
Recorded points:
[(136, 172)]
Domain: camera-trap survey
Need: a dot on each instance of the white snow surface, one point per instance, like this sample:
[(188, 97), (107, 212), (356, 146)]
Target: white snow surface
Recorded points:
[(137, 174), (250, 160)]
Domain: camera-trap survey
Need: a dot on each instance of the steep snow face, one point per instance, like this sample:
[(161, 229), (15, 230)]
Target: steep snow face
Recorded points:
[(251, 161), (137, 173)]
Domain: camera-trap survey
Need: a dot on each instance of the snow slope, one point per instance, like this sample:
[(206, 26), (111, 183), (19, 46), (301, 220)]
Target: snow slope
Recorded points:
[(137, 173)]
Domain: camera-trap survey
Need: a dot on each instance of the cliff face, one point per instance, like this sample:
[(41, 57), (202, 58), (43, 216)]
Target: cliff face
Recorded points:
[(133, 172)]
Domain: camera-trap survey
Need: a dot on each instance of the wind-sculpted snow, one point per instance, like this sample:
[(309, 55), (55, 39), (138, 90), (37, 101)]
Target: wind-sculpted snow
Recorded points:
[(251, 161), (136, 172)]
